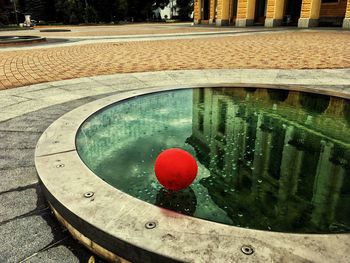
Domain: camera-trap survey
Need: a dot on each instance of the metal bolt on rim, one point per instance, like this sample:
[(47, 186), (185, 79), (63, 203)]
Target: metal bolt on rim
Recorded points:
[(247, 250), (89, 194), (150, 225)]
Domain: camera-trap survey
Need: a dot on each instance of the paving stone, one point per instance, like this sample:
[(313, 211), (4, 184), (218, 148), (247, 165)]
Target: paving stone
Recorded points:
[(5, 116), (39, 120), (17, 203), (65, 253), (17, 178), (20, 90), (15, 158), (48, 92), (91, 85), (10, 100), (26, 106), (118, 82), (89, 91), (30, 123), (18, 139), (70, 82), (55, 254), (23, 237)]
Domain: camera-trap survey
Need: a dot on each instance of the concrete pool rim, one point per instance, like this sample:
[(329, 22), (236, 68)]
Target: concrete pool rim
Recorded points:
[(206, 241)]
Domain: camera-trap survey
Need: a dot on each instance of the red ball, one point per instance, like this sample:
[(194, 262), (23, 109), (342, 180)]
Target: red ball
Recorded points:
[(175, 169)]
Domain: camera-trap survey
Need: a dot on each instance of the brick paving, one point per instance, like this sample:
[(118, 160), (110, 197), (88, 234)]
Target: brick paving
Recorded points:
[(117, 30), (289, 50)]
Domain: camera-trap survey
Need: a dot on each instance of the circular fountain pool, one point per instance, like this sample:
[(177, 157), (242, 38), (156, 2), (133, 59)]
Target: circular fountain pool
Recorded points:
[(20, 40), (273, 168), (268, 159)]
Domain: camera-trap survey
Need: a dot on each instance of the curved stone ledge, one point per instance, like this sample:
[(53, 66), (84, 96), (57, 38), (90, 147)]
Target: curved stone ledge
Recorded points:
[(116, 221)]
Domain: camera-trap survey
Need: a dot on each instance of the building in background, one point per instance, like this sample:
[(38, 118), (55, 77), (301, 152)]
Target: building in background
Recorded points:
[(168, 12), (272, 13)]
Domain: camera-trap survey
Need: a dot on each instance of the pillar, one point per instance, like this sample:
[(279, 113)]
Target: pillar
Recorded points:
[(310, 13), (336, 107), (346, 23), (288, 182), (212, 12), (245, 13), (232, 140), (223, 18), (197, 12), (274, 14), (261, 155), (327, 187)]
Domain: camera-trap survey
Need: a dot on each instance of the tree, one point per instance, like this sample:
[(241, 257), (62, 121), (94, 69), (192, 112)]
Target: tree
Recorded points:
[(121, 9), (143, 9), (36, 8), (50, 11), (185, 8), (6, 8), (70, 11), (79, 11)]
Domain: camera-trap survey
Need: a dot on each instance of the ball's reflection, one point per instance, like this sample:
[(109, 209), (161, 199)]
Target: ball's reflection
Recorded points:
[(184, 201)]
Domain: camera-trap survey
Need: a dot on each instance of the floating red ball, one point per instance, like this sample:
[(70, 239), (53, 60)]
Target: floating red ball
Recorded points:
[(175, 169)]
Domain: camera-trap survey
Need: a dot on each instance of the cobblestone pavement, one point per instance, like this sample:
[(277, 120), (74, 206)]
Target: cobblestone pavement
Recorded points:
[(128, 29), (290, 50)]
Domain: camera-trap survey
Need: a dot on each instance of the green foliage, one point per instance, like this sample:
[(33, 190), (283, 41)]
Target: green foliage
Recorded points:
[(91, 11), (185, 8), (70, 11), (121, 11), (5, 12), (36, 8)]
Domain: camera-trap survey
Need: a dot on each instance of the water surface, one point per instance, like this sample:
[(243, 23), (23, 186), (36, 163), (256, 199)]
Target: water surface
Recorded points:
[(268, 159)]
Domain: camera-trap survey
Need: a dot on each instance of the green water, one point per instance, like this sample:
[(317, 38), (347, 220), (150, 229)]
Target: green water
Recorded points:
[(268, 159)]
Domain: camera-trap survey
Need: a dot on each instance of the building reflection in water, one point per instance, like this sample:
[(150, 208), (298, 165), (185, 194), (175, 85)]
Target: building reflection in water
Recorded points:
[(278, 160)]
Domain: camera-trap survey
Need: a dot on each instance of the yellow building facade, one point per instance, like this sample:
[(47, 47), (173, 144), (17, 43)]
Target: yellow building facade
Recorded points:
[(272, 13)]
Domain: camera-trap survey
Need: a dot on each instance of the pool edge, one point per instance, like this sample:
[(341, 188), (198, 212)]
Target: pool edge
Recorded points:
[(110, 100)]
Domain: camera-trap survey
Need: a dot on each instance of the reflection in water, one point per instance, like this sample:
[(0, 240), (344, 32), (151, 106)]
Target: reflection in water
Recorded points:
[(314, 102), (268, 159), (184, 201), (285, 166)]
